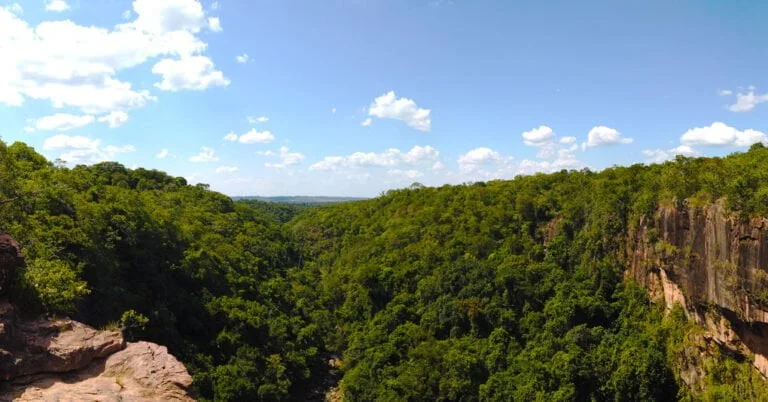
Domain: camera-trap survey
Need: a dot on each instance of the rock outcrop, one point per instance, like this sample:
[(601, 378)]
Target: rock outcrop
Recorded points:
[(713, 264), (64, 360)]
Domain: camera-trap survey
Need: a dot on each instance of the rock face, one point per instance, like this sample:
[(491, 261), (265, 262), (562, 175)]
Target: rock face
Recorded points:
[(64, 360), (715, 265), (10, 259)]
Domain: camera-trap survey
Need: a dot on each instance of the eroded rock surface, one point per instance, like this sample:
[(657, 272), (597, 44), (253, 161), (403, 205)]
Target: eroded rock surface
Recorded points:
[(141, 372), (713, 264), (64, 360)]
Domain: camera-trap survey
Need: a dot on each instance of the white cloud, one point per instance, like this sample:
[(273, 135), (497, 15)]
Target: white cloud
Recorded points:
[(169, 15), (256, 137), (76, 66), (62, 141), (287, 158), (114, 119), (405, 174), (265, 153), (62, 122), (390, 158), (661, 155), (388, 106), (162, 154), (230, 137), (479, 157), (56, 5), (746, 102), (226, 169), (127, 14), (243, 58), (720, 134), (215, 5), (568, 140), (206, 155), (438, 166), (538, 136), (603, 136), (214, 24), (367, 122), (191, 72), (725, 92), (254, 120), (79, 149)]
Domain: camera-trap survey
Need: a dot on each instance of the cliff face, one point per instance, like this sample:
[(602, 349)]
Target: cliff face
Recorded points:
[(64, 360), (715, 266)]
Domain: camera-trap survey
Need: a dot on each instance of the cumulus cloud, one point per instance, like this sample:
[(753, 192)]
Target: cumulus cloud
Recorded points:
[(214, 24), (56, 5), (538, 136), (162, 154), (720, 134), (604, 136), (479, 157), (388, 106), (206, 155), (390, 158), (192, 72), (79, 149), (725, 92), (661, 155), (226, 169), (367, 122), (746, 102), (62, 122), (71, 65), (114, 119), (287, 158), (555, 154), (251, 137), (243, 58)]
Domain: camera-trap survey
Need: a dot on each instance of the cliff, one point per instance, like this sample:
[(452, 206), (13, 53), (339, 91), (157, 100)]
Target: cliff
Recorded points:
[(64, 360), (715, 266)]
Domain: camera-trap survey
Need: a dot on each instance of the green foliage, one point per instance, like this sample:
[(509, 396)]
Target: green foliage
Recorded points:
[(498, 291), (56, 283), (133, 323)]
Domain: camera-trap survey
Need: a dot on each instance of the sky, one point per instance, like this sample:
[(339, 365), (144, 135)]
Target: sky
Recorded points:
[(355, 97)]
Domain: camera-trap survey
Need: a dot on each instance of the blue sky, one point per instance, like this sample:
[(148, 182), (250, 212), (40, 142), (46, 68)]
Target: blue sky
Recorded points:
[(353, 97)]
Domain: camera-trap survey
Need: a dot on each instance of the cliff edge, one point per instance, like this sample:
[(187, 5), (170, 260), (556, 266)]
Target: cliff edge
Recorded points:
[(714, 264), (64, 360)]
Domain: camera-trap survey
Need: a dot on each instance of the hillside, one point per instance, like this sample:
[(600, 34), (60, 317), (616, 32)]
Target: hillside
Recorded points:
[(541, 287)]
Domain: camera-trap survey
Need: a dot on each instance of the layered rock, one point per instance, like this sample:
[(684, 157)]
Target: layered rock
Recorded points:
[(64, 360), (715, 265)]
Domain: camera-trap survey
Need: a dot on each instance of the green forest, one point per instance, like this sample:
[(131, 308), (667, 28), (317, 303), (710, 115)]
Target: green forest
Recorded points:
[(508, 290)]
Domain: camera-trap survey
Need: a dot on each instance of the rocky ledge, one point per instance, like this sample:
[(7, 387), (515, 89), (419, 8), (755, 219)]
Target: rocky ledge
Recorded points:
[(713, 264), (64, 360)]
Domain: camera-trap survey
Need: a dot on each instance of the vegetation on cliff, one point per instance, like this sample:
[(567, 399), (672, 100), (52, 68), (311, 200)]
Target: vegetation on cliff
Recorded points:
[(506, 290)]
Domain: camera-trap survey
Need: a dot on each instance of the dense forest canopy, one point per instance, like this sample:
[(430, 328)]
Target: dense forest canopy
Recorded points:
[(505, 290)]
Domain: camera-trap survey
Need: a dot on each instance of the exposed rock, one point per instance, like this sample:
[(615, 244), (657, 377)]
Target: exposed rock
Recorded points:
[(50, 346), (10, 259), (64, 360), (715, 266), (141, 372)]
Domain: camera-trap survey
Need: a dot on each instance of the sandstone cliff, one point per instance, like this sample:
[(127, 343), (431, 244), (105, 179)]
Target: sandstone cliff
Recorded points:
[(64, 360), (715, 265)]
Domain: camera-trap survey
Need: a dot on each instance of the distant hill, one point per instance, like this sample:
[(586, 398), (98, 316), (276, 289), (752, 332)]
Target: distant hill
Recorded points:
[(301, 199)]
